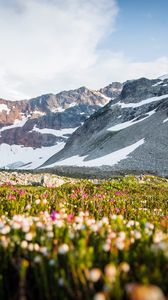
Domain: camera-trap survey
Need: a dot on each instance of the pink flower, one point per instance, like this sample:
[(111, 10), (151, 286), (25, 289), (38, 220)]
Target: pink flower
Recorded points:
[(54, 215), (118, 193), (70, 218), (11, 197), (112, 200)]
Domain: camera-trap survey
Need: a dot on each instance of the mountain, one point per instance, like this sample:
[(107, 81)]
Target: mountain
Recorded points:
[(129, 134), (33, 130)]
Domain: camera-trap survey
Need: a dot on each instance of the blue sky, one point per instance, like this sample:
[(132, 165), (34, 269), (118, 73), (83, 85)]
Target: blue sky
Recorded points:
[(53, 45), (141, 29)]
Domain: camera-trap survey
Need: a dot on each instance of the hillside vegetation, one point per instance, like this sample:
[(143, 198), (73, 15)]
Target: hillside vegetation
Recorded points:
[(89, 239)]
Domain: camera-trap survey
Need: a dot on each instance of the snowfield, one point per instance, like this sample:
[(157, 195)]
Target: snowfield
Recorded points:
[(109, 159), (20, 157)]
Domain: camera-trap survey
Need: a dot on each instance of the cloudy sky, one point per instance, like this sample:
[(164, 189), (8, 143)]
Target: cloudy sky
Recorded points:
[(53, 45)]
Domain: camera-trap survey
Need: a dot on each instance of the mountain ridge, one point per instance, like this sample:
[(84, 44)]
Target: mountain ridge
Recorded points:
[(139, 113), (45, 121)]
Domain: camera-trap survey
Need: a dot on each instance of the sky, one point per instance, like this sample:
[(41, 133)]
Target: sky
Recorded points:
[(47, 46)]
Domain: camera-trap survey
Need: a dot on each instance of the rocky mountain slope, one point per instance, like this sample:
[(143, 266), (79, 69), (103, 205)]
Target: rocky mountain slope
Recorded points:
[(130, 133), (32, 130)]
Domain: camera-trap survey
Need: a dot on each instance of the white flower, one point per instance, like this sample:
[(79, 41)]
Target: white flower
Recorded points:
[(28, 206), (105, 220), (158, 237), (37, 201), (29, 236), (124, 266), (16, 225), (110, 272), (119, 244), (114, 217), (106, 247), (44, 250), (31, 247), (63, 249), (5, 229), (99, 296), (59, 223), (130, 223), (37, 259), (24, 244), (51, 262), (50, 234), (44, 201), (149, 225), (36, 247), (122, 235), (137, 234), (94, 275), (60, 281)]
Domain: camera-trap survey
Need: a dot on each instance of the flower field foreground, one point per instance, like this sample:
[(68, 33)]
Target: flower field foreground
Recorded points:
[(103, 240)]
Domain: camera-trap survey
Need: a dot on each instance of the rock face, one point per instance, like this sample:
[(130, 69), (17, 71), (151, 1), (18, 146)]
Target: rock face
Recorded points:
[(128, 134), (44, 122)]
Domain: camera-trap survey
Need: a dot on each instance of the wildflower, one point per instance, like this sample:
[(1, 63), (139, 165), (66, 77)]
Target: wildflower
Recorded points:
[(99, 296), (158, 236), (122, 235), (70, 218), (5, 229), (137, 234), (37, 201), (124, 267), (61, 282), (31, 247), (50, 234), (44, 201), (54, 215), (28, 206), (24, 244), (110, 272), (29, 236), (4, 241), (37, 259), (59, 223), (118, 193), (116, 210), (36, 247), (94, 275), (106, 247), (144, 292), (63, 249), (51, 262), (119, 244)]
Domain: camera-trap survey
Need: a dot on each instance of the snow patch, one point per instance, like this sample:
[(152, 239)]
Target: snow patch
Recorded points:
[(157, 83), (143, 102), (127, 124), (4, 107), (37, 112), (15, 156), (163, 77), (109, 159), (60, 132), (102, 95), (166, 120), (57, 109), (17, 123)]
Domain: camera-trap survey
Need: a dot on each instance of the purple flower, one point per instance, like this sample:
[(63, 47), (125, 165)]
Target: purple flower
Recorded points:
[(112, 200), (54, 215), (118, 193)]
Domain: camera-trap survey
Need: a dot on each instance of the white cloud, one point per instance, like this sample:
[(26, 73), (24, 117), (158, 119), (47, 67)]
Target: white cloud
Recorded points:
[(51, 45), (43, 43)]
